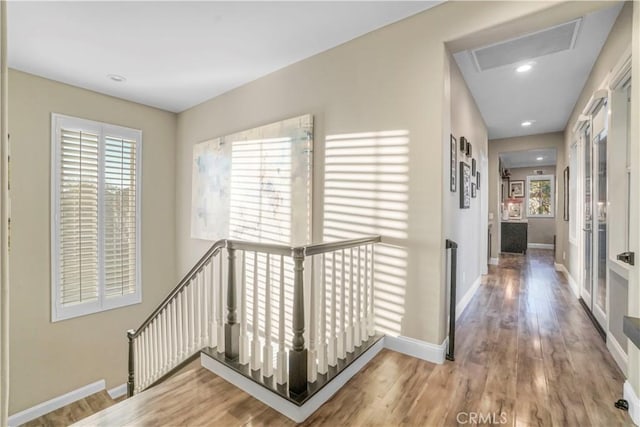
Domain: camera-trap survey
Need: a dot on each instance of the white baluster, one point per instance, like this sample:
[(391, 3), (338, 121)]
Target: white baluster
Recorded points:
[(322, 333), (333, 341), (220, 310), (364, 325), (213, 323), (164, 362), (147, 358), (143, 362), (371, 318), (192, 311), (180, 327), (342, 335), (312, 367), (244, 337), (186, 334), (267, 350), (255, 339), (281, 374), (206, 333), (138, 364), (171, 332), (198, 301), (357, 329), (351, 304), (154, 349)]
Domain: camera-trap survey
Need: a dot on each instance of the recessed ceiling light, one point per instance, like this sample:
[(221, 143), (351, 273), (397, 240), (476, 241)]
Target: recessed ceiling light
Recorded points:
[(116, 78), (526, 123), (539, 158), (524, 68)]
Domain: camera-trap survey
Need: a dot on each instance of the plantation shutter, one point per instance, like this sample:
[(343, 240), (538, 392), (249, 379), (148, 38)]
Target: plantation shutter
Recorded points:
[(119, 216), (95, 261), (78, 217)]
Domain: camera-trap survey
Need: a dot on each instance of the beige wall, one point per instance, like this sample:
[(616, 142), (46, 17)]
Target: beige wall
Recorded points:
[(524, 143), (389, 79), (50, 359), (541, 230), (467, 227)]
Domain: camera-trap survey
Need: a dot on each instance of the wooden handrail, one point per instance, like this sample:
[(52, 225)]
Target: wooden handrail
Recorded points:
[(215, 248)]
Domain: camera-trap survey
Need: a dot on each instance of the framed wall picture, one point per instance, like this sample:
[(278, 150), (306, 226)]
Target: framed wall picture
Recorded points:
[(453, 173), (478, 180), (516, 189), (463, 144), (473, 190), (514, 209), (465, 185), (473, 167), (566, 194), (469, 151)]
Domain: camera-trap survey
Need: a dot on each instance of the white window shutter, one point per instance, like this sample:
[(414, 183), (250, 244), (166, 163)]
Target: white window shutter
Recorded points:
[(119, 216), (78, 217), (95, 217)]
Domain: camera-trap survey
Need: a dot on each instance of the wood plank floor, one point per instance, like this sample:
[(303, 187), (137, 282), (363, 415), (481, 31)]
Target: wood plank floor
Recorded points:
[(526, 355)]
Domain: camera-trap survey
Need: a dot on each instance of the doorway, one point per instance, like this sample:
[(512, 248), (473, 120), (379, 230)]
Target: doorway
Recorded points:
[(593, 135)]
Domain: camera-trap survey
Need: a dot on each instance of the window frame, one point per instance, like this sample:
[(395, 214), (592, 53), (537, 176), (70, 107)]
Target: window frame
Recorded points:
[(552, 208), (58, 310)]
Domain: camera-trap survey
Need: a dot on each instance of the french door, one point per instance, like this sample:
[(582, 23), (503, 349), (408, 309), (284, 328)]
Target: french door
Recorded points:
[(595, 237)]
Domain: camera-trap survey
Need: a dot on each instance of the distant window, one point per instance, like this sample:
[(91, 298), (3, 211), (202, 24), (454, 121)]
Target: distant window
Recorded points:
[(540, 196), (96, 217)]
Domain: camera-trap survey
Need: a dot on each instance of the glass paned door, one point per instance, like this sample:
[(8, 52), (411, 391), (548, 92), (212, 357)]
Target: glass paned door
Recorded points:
[(587, 273), (600, 224)]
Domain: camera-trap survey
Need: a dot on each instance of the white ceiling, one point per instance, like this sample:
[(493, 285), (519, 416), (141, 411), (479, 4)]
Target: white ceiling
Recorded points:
[(545, 95), (175, 55), (525, 159)]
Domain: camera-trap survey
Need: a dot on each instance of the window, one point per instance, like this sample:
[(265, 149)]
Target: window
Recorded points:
[(540, 196), (95, 199)]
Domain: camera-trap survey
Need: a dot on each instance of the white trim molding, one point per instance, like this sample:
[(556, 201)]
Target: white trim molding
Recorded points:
[(619, 355), (572, 283), (467, 297), (416, 348), (118, 391), (282, 405), (634, 402), (494, 261), (43, 408), (540, 245)]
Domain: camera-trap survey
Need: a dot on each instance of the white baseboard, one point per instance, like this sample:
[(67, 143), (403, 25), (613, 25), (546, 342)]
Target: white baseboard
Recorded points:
[(572, 283), (118, 391), (466, 298), (540, 245), (55, 403), (619, 355), (494, 261), (282, 405), (634, 402), (419, 349)]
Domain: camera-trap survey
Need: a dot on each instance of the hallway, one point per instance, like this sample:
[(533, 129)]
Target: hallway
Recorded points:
[(525, 349), (528, 348)]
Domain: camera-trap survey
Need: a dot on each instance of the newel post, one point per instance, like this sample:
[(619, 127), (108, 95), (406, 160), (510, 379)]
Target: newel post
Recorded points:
[(231, 327), (298, 353), (131, 376)]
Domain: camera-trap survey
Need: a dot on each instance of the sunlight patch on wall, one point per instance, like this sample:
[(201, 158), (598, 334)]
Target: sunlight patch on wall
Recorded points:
[(366, 193)]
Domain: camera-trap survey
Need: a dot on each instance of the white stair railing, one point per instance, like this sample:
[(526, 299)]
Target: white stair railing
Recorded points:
[(338, 292)]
